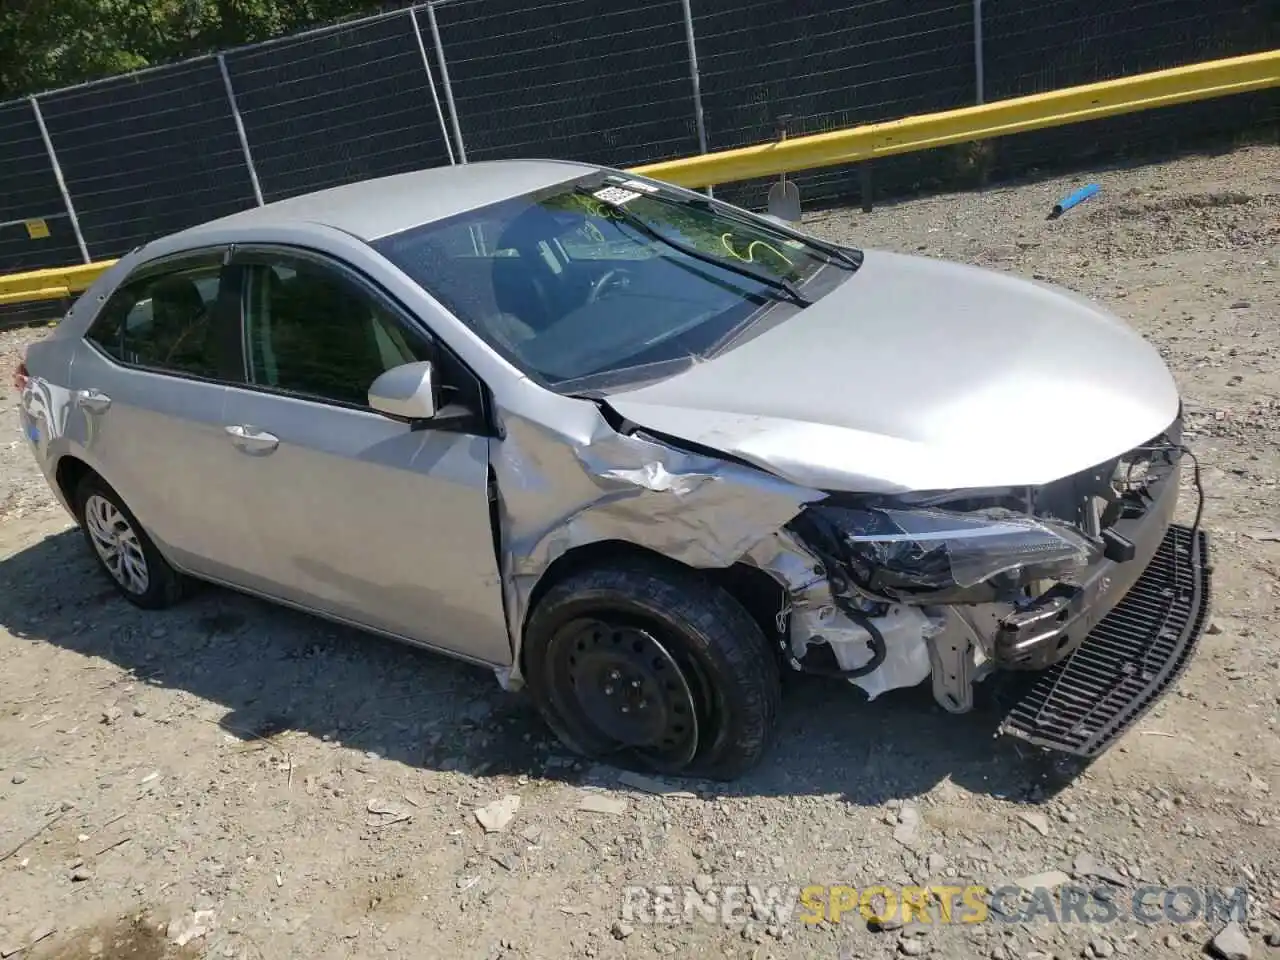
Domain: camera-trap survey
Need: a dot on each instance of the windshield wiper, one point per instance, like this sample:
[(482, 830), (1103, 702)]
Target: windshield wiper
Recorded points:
[(785, 287), (833, 250)]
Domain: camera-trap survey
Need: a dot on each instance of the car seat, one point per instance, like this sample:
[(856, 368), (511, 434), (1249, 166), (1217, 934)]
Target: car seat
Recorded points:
[(180, 324)]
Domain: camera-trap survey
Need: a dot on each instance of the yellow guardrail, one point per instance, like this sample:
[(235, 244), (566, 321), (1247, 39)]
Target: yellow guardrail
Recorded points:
[(1093, 101), (55, 283), (1163, 88)]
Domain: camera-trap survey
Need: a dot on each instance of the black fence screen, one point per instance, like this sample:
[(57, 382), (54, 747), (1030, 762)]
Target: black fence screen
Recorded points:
[(572, 79), (145, 154), (35, 230), (343, 104), (1035, 47), (149, 154), (828, 66)]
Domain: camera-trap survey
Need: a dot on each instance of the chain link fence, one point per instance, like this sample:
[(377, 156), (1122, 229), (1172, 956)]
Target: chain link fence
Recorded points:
[(91, 171)]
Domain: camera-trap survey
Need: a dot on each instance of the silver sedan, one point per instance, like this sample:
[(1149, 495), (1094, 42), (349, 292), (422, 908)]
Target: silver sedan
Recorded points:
[(636, 450)]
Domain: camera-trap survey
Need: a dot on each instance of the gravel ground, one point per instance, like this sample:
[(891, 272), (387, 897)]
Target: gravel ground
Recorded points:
[(229, 779)]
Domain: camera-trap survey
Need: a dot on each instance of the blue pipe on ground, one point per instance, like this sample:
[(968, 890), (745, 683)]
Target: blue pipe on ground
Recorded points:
[(1071, 199)]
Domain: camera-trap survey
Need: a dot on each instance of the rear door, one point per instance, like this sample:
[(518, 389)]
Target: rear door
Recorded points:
[(341, 509), (148, 386)]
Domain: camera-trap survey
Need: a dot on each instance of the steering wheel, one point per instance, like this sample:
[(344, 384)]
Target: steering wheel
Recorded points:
[(616, 276)]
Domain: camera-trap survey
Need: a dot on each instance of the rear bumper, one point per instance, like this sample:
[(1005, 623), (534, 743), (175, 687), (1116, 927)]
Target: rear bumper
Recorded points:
[(1110, 679)]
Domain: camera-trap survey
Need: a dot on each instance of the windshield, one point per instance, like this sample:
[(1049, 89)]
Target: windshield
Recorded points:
[(603, 281)]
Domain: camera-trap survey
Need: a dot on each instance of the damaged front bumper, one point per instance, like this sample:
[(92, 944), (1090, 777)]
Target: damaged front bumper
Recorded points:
[(1038, 635), (1106, 639), (1084, 702)]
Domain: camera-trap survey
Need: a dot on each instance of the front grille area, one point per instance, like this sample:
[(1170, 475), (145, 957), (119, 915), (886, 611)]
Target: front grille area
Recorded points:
[(1084, 703)]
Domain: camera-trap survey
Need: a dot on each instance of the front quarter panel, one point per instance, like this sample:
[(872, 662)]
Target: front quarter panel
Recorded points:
[(566, 478)]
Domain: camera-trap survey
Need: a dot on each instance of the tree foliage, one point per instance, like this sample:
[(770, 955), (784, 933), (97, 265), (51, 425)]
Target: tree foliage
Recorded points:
[(53, 43)]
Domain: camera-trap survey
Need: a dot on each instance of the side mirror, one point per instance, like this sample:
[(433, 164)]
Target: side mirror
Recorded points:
[(407, 392)]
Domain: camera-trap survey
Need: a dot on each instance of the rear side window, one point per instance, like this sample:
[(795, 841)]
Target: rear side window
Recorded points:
[(164, 321)]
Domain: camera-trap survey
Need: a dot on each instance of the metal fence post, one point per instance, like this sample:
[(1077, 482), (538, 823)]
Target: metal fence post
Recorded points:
[(979, 63), (444, 78), (695, 78), (431, 82), (57, 176), (244, 139)]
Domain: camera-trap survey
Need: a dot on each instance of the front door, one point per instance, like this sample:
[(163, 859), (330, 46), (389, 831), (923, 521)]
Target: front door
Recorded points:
[(342, 509)]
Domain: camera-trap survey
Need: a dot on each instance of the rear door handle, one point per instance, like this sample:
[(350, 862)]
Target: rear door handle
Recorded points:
[(251, 440), (92, 400)]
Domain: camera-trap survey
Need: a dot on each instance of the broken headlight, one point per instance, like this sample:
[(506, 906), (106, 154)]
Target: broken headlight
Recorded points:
[(941, 556)]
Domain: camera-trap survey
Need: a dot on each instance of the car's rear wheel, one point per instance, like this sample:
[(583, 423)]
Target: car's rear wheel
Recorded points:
[(653, 667), (122, 547)]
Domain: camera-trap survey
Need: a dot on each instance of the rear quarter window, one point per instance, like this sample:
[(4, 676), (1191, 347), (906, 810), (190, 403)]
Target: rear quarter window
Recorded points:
[(164, 320)]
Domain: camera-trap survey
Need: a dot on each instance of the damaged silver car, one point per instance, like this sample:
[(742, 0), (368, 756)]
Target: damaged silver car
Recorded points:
[(638, 451)]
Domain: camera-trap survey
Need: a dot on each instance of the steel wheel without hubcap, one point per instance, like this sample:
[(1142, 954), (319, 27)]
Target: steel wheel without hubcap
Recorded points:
[(618, 680), (117, 544)]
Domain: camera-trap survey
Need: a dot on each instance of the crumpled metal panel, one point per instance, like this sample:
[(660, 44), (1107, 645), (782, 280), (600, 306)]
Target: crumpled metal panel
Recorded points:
[(558, 492)]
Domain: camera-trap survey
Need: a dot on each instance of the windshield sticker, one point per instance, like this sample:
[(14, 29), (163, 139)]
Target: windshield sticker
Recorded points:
[(615, 195), (637, 185)]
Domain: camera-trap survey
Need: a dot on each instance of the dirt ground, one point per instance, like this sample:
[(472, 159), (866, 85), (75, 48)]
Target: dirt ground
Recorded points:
[(229, 779)]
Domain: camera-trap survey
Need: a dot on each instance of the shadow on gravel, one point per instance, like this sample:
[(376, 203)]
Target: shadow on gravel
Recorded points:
[(274, 670)]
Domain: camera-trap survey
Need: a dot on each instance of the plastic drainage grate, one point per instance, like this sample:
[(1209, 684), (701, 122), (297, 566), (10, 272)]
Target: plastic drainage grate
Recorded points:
[(1083, 704)]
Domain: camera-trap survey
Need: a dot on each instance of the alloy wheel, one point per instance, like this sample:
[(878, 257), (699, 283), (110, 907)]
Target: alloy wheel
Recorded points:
[(117, 544)]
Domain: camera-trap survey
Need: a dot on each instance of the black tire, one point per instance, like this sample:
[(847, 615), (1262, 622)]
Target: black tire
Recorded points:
[(727, 665), (164, 585)]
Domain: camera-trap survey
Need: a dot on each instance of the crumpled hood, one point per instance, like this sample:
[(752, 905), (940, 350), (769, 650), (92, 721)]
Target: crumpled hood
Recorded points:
[(920, 374)]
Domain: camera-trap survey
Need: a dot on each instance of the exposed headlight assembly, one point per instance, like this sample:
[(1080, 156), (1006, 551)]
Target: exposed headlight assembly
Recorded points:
[(927, 555)]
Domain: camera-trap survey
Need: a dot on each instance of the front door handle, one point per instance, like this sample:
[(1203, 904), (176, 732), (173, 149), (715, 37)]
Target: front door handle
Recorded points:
[(94, 401), (251, 440)]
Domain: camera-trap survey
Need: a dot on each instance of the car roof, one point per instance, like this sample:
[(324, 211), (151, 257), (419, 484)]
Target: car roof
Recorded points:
[(375, 208)]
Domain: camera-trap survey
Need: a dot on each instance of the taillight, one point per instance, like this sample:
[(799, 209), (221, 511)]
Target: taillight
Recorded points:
[(21, 376)]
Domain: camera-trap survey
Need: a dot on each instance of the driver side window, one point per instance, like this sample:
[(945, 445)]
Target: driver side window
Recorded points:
[(312, 332)]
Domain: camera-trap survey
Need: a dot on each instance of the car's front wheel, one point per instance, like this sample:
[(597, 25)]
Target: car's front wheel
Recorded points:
[(654, 667), (122, 547)]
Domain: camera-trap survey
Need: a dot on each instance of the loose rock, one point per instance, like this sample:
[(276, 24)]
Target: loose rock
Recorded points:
[(1037, 822), (1042, 881), (886, 925), (1231, 943), (496, 816), (908, 825), (657, 787), (193, 926), (1087, 865), (602, 803)]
